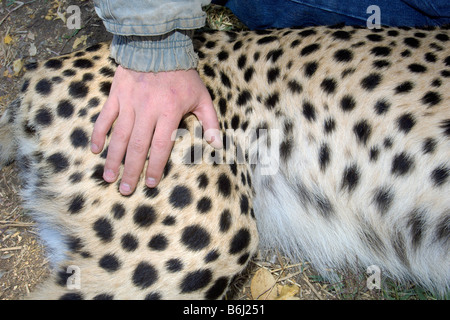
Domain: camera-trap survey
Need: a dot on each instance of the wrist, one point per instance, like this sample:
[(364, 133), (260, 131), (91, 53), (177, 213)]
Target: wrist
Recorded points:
[(172, 51)]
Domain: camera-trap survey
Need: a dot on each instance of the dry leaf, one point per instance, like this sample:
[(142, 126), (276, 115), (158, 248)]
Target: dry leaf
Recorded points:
[(263, 286), (78, 41), (32, 50), (287, 292), (17, 66), (7, 39)]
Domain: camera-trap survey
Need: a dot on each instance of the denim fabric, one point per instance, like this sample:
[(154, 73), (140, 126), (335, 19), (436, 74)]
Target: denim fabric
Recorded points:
[(260, 14), (152, 35)]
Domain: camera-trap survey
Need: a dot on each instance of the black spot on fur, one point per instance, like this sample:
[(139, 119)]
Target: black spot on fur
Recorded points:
[(76, 204), (103, 229), (72, 296), (274, 55), (107, 72), (129, 242), (362, 130), (381, 64), (196, 280), (44, 117), (224, 185), (222, 55), (382, 106), (271, 101), (417, 68), (144, 275), (203, 181), (328, 85), (225, 220), (43, 87), (429, 145), (383, 199), (406, 122), (267, 39), (294, 87), (417, 225), (371, 81), (97, 175), (329, 125), (309, 111), (79, 138), (380, 51), (144, 216), (442, 37), (446, 126), (310, 68), (430, 57), (65, 109), (195, 237), (404, 87), (348, 103), (240, 241), (343, 55), (374, 37), (217, 289), (94, 48), (180, 197), (248, 74), (286, 149), (204, 205), (273, 74), (109, 262), (324, 156), (374, 153), (54, 64), (439, 175), (58, 161), (244, 204), (411, 42), (83, 64), (105, 87), (350, 177), (341, 35), (309, 49), (174, 265), (401, 164), (158, 242), (243, 98), (225, 80), (209, 71), (431, 98), (78, 89), (118, 211)]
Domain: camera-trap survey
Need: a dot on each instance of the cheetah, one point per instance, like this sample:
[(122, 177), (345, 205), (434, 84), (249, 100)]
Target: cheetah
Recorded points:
[(336, 151)]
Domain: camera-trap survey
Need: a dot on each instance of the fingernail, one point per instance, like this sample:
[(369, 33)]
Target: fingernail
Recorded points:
[(151, 182), (213, 138), (125, 187), (94, 147), (109, 175)]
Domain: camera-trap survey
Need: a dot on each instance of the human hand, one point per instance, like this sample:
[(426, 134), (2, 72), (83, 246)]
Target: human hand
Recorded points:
[(147, 108)]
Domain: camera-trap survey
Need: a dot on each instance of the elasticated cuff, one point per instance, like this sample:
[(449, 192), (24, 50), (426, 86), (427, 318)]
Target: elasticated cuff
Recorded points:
[(173, 51)]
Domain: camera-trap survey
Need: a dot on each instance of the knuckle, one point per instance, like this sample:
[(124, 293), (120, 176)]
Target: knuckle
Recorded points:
[(137, 146), (161, 144), (120, 135)]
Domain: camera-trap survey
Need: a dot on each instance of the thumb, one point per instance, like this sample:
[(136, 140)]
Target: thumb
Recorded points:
[(207, 116)]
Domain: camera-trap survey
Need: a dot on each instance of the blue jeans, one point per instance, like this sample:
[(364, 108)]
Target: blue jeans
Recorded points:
[(260, 14)]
